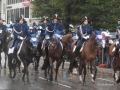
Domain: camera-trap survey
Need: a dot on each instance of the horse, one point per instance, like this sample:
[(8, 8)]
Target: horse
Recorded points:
[(67, 40), (55, 53), (3, 44), (115, 65), (25, 54), (88, 54)]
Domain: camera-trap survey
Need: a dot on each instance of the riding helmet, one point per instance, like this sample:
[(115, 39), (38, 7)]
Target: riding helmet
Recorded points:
[(44, 18)]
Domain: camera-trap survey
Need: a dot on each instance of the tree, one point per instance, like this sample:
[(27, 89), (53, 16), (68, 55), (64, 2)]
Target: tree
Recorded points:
[(101, 13)]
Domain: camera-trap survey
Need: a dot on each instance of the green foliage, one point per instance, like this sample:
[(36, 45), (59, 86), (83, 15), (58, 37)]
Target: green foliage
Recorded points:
[(101, 13)]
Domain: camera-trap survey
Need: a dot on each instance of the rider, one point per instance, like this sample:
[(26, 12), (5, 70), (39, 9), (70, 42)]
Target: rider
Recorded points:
[(53, 27), (42, 27), (117, 43), (20, 32), (84, 31), (35, 30), (57, 27)]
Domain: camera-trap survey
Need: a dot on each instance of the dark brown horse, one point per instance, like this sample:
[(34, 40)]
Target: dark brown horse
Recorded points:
[(67, 40), (56, 52), (88, 54), (115, 65)]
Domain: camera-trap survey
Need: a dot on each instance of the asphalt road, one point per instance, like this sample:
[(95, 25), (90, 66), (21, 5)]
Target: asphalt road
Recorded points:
[(104, 80)]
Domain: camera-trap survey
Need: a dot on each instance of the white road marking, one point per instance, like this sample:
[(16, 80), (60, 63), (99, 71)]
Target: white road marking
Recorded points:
[(58, 83), (105, 80)]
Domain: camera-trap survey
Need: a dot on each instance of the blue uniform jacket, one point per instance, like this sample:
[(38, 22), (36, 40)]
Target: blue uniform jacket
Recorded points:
[(35, 30), (22, 30), (53, 27), (85, 29), (43, 30)]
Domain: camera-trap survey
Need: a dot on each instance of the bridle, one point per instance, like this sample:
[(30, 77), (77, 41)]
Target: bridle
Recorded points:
[(53, 44)]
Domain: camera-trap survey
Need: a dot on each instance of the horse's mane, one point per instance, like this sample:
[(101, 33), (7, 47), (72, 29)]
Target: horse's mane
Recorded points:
[(92, 39)]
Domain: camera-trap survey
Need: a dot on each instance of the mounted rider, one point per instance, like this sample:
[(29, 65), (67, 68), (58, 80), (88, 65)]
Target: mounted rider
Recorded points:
[(84, 32), (35, 29), (53, 27), (43, 26), (117, 46), (21, 30)]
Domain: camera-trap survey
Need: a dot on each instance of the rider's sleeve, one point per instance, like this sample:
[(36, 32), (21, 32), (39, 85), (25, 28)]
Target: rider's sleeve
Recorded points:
[(49, 30)]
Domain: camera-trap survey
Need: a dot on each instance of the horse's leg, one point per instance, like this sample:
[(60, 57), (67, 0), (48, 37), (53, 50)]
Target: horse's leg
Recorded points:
[(45, 74), (37, 63), (84, 66), (80, 71), (23, 77), (0, 61), (51, 68), (57, 66), (71, 69), (63, 63), (28, 80), (95, 71), (5, 59)]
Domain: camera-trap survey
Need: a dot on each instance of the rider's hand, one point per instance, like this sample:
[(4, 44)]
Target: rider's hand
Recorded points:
[(21, 38), (40, 27)]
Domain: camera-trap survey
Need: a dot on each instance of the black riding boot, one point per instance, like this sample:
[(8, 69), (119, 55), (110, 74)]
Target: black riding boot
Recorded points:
[(78, 47)]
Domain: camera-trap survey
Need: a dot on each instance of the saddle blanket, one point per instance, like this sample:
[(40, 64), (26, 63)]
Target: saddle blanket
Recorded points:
[(80, 48), (11, 50)]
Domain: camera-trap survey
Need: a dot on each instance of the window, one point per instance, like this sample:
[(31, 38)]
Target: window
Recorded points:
[(17, 13), (12, 15), (22, 11), (26, 12), (8, 16)]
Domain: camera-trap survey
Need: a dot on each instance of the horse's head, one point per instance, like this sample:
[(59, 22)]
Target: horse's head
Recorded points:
[(93, 40), (30, 45), (53, 43)]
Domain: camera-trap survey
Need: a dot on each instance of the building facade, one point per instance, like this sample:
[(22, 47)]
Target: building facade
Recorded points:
[(16, 8)]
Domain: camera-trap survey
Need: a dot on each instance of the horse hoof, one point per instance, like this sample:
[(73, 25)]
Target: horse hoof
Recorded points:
[(71, 80), (46, 79), (29, 84), (92, 81), (81, 82), (23, 83), (84, 84), (56, 82)]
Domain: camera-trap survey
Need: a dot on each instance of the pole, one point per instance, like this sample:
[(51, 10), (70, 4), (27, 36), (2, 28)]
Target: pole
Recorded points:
[(102, 55)]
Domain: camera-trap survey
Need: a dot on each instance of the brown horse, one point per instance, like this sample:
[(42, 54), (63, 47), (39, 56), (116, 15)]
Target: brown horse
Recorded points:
[(67, 40), (115, 65), (56, 54), (88, 54)]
